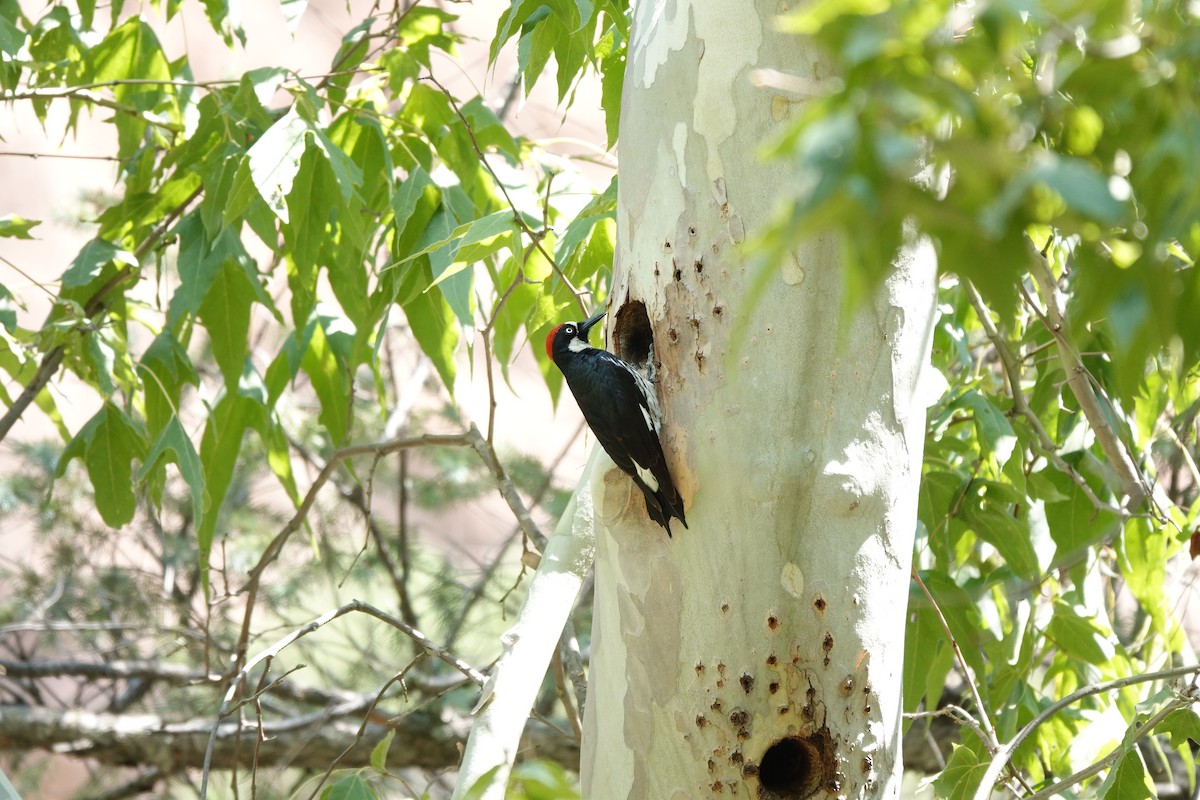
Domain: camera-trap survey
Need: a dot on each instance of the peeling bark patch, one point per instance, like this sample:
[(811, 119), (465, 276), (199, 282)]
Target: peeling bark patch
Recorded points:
[(791, 271), (791, 577)]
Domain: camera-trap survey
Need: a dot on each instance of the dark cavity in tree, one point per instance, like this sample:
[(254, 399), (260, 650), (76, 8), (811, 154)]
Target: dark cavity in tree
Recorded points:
[(795, 767), (633, 338)]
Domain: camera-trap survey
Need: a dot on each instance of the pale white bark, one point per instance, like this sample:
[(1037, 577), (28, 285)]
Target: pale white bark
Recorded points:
[(513, 683), (778, 619)]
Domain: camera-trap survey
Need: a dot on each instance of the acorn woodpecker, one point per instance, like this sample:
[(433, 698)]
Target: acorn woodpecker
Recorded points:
[(621, 408)]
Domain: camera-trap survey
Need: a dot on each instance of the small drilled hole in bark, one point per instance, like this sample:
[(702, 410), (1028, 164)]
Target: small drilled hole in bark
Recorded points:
[(819, 603), (699, 265), (772, 622), (747, 681)]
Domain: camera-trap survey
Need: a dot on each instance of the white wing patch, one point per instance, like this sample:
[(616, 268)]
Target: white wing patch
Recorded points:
[(650, 410), (647, 477)]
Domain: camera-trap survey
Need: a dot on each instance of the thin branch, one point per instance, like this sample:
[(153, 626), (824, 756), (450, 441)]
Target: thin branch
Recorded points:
[(989, 740), (954, 712), (1055, 320), (228, 706), (1012, 371), (275, 546)]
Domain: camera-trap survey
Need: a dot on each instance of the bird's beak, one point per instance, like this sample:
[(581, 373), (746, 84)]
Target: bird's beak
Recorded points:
[(585, 327)]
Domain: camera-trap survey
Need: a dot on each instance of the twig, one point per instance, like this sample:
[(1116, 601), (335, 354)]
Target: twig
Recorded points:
[(271, 652), (570, 662), (956, 712), (273, 548), (362, 728)]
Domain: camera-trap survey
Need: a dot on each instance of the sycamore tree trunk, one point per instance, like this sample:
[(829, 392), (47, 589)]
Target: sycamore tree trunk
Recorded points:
[(759, 653)]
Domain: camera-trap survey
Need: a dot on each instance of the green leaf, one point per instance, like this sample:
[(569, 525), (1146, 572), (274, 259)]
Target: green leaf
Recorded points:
[(111, 447), (418, 184), (16, 227), (164, 369), (175, 446), (91, 261), (226, 316), (293, 11), (379, 752), (331, 380), (433, 325), (964, 770), (1182, 725), (220, 445), (992, 426), (1127, 780), (472, 240), (351, 787), (985, 508), (1079, 636), (275, 160), (928, 656)]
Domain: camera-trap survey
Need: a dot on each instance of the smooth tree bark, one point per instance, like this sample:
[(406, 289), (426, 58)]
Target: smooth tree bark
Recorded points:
[(758, 653)]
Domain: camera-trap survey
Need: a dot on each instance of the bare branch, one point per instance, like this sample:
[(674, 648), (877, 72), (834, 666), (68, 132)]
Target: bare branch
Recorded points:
[(1081, 386)]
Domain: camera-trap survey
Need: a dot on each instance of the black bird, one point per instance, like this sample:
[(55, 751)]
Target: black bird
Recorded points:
[(621, 408)]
